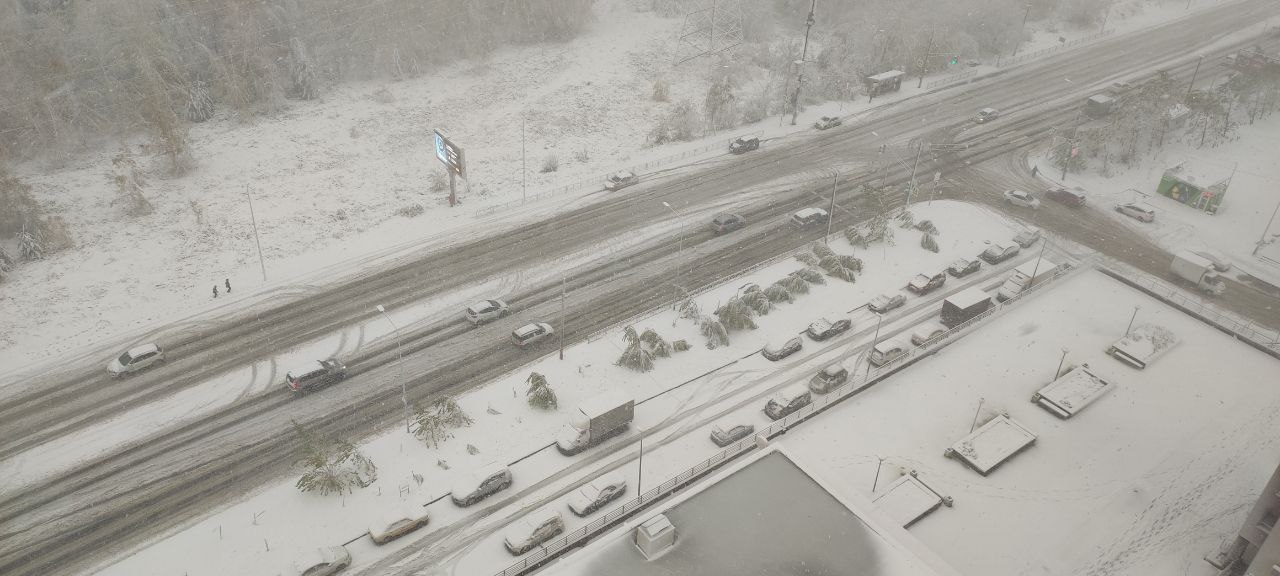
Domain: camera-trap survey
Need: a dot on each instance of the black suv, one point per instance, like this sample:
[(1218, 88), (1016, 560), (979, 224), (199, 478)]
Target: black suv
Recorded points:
[(327, 372), (725, 222)]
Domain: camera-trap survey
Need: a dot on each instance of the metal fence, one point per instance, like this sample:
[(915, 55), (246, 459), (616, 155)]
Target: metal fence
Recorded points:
[(558, 545), (952, 78), (1046, 51), (597, 182)]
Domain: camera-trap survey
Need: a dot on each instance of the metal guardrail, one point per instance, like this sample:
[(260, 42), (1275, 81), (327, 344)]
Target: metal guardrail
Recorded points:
[(559, 544), (1046, 51), (952, 78), (597, 182)]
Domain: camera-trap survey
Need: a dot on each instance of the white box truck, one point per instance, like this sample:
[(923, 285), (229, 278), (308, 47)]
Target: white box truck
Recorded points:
[(595, 420), (1197, 270), (1025, 276)]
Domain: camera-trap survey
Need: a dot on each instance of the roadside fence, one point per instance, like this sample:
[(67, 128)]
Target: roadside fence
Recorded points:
[(1052, 49), (953, 78)]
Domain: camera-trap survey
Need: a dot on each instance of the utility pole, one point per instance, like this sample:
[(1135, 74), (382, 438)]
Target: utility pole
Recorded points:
[(831, 214), (1057, 372), (563, 322), (258, 239), (804, 52), (1193, 78), (1025, 14), (1131, 319), (914, 165), (1262, 240), (524, 171), (924, 60), (404, 395)]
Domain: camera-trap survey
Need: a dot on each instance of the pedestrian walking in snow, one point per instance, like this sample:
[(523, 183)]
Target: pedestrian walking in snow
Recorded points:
[(1034, 170), (215, 290), (228, 281)]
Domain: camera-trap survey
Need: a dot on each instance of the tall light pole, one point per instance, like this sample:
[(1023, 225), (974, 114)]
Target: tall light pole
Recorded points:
[(1060, 361), (564, 324), (795, 101), (1194, 73), (1131, 318), (1263, 239), (879, 317), (680, 246), (1018, 42), (253, 218), (404, 396), (831, 214)]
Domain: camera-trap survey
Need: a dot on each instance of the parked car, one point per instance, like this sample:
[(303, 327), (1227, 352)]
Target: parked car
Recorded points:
[(986, 115), (531, 334), (787, 400), (1027, 237), (743, 145), (925, 283), (620, 180), (886, 351), (1023, 199), (136, 359), (972, 63), (964, 267), (726, 433), (823, 329), (596, 493), (828, 378), (1122, 85), (1074, 198), (776, 351), (886, 302), (531, 530), (998, 252), (323, 562), (478, 484), (316, 375), (808, 217), (1138, 211), (398, 523), (926, 332), (726, 222), (827, 122), (1220, 262), (486, 311)]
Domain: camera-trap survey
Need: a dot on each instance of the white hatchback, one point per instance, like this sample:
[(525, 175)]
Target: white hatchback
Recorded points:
[(136, 359), (486, 311), (1023, 199)]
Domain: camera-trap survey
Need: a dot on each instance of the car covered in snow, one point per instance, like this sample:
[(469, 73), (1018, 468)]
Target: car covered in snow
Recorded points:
[(1027, 237), (998, 252), (925, 283), (323, 562), (1023, 199), (886, 351), (986, 115), (728, 432), (886, 302), (787, 401), (778, 350), (476, 485), (743, 145), (620, 180), (135, 359), (823, 329), (531, 334), (316, 374), (828, 378), (1138, 211), (963, 267), (826, 122), (532, 530), (397, 523), (596, 493), (486, 311), (927, 332)]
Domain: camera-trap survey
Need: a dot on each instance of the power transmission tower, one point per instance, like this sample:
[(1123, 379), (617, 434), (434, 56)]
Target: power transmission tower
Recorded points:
[(710, 26)]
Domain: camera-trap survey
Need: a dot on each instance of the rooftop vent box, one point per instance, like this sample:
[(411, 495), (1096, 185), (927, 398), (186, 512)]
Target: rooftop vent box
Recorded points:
[(655, 536)]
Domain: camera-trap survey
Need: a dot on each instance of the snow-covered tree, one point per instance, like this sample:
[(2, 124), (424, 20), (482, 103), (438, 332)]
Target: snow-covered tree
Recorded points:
[(839, 271), (758, 301), (736, 315), (540, 395), (927, 227), (810, 275), (856, 236), (334, 466), (807, 258), (778, 293), (794, 284), (435, 420), (928, 243), (821, 250), (715, 332), (302, 72), (655, 343), (129, 182)]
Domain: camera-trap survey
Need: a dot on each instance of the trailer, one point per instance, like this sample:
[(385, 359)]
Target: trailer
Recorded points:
[(1143, 345), (595, 420), (992, 444), (964, 306), (1072, 391)]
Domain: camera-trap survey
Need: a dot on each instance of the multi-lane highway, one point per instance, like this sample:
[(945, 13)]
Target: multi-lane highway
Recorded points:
[(105, 505)]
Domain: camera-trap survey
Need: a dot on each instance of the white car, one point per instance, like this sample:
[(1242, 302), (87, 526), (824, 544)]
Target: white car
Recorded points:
[(323, 562), (620, 180), (531, 334), (726, 433), (486, 311), (1023, 199), (478, 484), (596, 493), (886, 302), (1027, 237), (532, 530), (927, 332), (398, 523), (136, 359), (1138, 211)]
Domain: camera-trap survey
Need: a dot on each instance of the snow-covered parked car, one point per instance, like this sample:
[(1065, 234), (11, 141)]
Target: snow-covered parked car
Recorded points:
[(1027, 237), (323, 562), (531, 530), (778, 350), (395, 524), (743, 145), (1138, 211), (886, 351), (1023, 199), (136, 359), (828, 378), (788, 400), (925, 283), (886, 302), (478, 484), (927, 332), (823, 329), (531, 334), (826, 122), (964, 267), (999, 252), (728, 432), (486, 311), (620, 180), (596, 493)]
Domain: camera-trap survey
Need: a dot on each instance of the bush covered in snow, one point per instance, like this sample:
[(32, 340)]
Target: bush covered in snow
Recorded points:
[(928, 242), (715, 332), (334, 466), (540, 394)]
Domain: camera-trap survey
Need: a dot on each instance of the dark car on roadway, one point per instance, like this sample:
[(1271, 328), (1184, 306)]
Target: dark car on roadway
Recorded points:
[(726, 222), (828, 378), (999, 252), (743, 145), (925, 283), (964, 267), (827, 122), (321, 373), (823, 329), (1074, 198)]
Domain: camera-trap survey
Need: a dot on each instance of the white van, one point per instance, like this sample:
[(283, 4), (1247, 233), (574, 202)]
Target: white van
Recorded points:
[(808, 217), (887, 351)]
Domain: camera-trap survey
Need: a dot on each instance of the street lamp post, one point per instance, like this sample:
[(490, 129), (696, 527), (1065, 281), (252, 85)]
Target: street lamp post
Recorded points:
[(256, 237), (879, 317), (404, 395), (680, 245), (1131, 318), (1060, 361), (831, 214)]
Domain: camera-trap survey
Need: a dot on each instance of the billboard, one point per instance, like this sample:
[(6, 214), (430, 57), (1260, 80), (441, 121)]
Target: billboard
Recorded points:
[(1206, 198), (450, 155)]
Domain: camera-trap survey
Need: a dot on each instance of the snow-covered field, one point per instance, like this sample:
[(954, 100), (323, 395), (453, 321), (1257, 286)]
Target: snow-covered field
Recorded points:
[(327, 179), (682, 394)]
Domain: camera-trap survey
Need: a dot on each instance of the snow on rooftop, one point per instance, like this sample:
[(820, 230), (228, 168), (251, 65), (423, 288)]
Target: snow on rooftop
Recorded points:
[(1071, 392), (968, 297), (1143, 345), (992, 443), (907, 500)]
